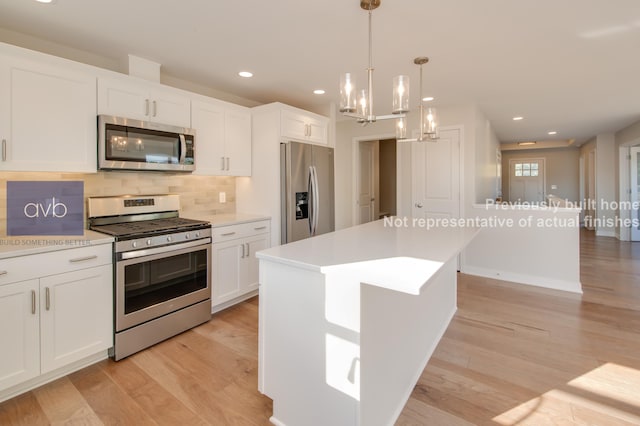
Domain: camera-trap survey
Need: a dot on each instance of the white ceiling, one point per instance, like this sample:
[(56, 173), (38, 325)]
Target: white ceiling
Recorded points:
[(572, 66)]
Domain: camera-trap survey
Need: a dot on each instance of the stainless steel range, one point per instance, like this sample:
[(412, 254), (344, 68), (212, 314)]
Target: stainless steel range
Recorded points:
[(162, 268)]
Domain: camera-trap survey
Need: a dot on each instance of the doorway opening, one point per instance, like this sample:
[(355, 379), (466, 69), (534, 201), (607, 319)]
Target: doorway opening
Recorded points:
[(376, 179)]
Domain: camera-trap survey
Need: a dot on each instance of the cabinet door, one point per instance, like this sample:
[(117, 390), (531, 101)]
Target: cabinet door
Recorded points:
[(238, 142), (318, 130), (250, 278), (294, 125), (140, 100), (123, 98), (76, 315), (52, 118), (168, 106), (226, 264), (19, 333), (208, 121)]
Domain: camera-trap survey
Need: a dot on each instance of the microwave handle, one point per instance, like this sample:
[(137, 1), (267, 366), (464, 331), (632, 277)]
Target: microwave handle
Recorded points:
[(183, 148)]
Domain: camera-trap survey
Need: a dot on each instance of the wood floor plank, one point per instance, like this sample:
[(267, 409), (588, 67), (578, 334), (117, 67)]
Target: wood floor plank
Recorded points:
[(23, 410), (158, 403), (110, 403), (62, 403)]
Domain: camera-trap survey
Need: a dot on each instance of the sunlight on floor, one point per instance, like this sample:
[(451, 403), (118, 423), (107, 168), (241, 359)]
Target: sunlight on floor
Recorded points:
[(609, 391)]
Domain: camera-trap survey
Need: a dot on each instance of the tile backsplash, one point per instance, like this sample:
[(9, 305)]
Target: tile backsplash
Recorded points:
[(199, 195)]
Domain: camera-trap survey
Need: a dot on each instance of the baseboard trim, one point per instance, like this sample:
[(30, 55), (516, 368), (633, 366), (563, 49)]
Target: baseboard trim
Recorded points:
[(545, 282), (224, 305)]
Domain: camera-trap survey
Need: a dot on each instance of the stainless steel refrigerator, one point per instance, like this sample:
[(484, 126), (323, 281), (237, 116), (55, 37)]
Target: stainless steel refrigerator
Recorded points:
[(306, 181)]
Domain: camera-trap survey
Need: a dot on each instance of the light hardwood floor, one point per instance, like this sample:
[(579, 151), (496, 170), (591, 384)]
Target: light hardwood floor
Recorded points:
[(513, 355)]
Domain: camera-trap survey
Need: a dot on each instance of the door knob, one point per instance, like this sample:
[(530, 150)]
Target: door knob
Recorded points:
[(419, 205)]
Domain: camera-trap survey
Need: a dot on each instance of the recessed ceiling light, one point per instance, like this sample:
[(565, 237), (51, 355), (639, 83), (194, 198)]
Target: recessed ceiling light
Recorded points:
[(245, 74), (319, 92), (44, 1), (518, 118), (428, 98), (553, 132)]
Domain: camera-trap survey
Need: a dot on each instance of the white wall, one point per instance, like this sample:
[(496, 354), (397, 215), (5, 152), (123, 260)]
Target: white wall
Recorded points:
[(606, 184)]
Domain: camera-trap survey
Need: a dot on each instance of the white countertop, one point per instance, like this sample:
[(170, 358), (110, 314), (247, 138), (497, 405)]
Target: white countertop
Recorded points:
[(26, 245), (400, 258), (226, 219)]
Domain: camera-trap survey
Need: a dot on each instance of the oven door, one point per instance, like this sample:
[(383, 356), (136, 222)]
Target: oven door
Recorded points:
[(155, 282)]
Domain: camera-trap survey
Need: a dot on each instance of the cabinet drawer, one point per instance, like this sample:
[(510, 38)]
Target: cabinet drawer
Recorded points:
[(40, 265), (231, 232)]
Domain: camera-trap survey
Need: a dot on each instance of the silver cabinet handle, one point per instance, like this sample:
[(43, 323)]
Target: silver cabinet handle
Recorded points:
[(228, 234), (155, 108), (47, 300), (228, 161), (419, 205), (33, 302), (260, 228), (4, 150), (222, 158), (242, 257), (83, 259), (248, 250), (146, 107)]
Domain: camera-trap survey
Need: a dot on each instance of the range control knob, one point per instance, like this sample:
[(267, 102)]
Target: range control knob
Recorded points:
[(149, 242), (186, 236), (197, 234), (134, 244), (169, 238)]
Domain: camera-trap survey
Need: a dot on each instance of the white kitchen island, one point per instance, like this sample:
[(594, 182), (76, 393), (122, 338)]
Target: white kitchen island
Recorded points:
[(349, 320)]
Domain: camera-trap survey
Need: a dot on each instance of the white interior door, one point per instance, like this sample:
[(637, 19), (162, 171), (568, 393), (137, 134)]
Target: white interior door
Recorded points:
[(635, 192), (436, 176), (366, 182), (526, 180)]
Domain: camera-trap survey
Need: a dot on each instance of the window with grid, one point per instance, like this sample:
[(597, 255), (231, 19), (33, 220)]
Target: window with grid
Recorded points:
[(526, 169)]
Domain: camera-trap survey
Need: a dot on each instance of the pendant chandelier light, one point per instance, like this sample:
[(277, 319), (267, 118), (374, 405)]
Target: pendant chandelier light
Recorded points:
[(358, 104)]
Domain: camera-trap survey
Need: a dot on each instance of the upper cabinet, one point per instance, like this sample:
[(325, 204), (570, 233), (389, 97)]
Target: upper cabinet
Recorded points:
[(223, 138), (47, 116), (133, 98), (305, 126)]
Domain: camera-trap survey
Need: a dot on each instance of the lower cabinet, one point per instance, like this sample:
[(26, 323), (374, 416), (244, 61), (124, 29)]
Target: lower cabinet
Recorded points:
[(52, 321), (234, 263)]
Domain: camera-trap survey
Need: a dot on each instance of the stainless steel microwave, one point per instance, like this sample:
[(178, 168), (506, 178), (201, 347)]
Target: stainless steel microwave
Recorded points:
[(125, 144)]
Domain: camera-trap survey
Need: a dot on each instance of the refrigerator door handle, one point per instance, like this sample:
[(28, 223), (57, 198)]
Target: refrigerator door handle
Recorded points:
[(316, 200), (310, 200)]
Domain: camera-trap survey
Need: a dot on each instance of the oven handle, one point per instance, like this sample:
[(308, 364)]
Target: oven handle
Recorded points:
[(163, 249)]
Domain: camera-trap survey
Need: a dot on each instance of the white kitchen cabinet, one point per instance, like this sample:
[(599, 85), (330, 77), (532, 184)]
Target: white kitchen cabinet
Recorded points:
[(55, 315), (223, 138), (234, 263), (47, 116), (130, 97), (305, 126), (19, 333), (75, 321)]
